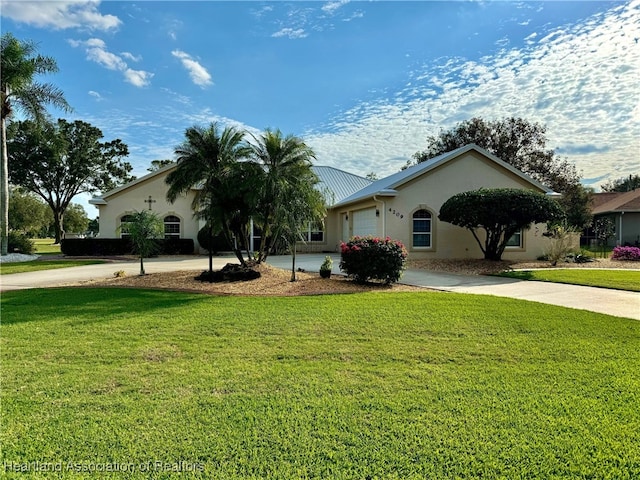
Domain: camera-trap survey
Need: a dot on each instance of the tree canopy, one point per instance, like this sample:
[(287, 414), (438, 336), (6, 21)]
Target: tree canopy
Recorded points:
[(624, 184), (284, 182), (143, 228), (158, 164), (209, 160), (58, 161), (522, 144), (19, 66), (500, 213), (27, 213)]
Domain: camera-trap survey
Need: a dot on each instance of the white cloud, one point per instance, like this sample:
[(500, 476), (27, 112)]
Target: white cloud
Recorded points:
[(290, 33), (131, 56), (199, 75), (580, 81), (138, 78), (97, 52), (96, 95), (333, 6), (60, 15)]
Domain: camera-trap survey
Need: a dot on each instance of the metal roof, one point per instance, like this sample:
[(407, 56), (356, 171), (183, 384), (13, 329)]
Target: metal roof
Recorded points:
[(340, 184)]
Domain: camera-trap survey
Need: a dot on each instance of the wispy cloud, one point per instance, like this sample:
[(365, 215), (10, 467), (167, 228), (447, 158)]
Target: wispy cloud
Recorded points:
[(199, 75), (60, 15), (290, 33), (131, 56), (298, 22), (97, 52), (96, 95), (563, 80), (331, 7)]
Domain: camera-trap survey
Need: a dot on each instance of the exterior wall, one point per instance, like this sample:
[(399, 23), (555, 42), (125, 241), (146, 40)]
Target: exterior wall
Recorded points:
[(631, 228), (470, 171), (627, 228), (133, 199)]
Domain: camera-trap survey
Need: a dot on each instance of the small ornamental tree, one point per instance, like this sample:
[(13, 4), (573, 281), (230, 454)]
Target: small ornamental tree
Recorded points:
[(143, 229), (373, 258), (500, 212)]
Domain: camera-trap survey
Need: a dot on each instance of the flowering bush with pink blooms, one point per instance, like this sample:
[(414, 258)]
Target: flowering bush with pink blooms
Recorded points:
[(373, 258), (626, 253)]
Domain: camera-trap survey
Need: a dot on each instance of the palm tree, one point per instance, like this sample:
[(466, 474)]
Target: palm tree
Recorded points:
[(287, 166), (19, 65), (208, 161)]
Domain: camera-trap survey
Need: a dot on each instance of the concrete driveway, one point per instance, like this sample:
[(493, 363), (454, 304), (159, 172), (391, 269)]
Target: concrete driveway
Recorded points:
[(613, 302)]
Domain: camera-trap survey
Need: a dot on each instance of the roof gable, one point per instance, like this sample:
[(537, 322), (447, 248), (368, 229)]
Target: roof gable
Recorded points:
[(101, 199), (616, 202), (388, 185)]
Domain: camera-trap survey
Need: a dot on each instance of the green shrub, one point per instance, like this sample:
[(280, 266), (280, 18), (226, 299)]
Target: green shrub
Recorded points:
[(373, 258), (325, 268), (20, 243)]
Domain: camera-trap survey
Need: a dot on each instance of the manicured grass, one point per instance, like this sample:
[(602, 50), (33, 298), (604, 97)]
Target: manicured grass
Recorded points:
[(617, 279), (46, 246), (37, 265), (403, 386)]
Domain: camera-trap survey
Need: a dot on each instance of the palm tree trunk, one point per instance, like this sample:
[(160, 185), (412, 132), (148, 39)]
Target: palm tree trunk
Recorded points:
[(211, 252), (4, 192), (141, 264), (293, 264)]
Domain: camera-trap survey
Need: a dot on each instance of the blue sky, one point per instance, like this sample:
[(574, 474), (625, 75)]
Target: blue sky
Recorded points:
[(364, 83)]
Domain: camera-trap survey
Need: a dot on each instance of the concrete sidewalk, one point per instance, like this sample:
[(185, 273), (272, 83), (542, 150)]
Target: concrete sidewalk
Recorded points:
[(613, 302)]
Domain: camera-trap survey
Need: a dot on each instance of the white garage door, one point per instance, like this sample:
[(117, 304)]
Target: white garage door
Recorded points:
[(365, 222)]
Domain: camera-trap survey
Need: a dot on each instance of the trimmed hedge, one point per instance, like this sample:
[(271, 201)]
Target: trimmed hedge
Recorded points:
[(97, 247)]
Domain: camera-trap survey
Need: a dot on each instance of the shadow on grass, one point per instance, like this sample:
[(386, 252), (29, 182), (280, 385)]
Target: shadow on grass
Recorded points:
[(87, 305)]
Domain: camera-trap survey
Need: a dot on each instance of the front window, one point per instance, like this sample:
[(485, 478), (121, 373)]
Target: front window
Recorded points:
[(422, 229), (515, 241), (314, 232), (124, 225), (171, 226)]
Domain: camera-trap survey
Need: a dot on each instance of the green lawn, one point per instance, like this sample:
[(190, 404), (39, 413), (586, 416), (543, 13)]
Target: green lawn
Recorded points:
[(375, 385), (37, 265), (46, 246), (617, 279)]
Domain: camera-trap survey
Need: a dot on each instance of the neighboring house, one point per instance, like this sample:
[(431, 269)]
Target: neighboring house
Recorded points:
[(623, 208), (403, 206)]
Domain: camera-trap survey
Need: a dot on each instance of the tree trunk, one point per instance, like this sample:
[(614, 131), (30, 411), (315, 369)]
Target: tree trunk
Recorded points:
[(4, 192), (293, 263), (141, 264), (211, 253), (58, 218)]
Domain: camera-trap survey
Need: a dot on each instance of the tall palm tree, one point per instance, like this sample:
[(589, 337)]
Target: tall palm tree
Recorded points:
[(18, 88), (207, 161), (287, 164)]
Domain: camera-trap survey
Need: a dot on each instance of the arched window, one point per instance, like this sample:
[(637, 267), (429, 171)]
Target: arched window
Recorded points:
[(421, 232), (171, 226), (124, 230)]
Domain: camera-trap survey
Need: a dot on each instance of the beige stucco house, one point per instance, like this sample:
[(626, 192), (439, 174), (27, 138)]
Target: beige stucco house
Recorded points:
[(403, 206)]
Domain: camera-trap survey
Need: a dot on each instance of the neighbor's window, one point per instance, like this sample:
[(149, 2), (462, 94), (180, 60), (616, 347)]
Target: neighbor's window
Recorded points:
[(421, 229), (124, 221), (516, 240), (171, 226)]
